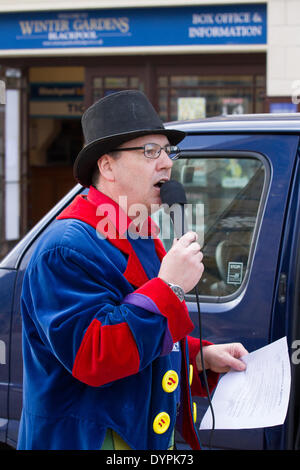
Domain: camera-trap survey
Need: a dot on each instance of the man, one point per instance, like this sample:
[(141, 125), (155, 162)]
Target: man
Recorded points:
[(107, 361)]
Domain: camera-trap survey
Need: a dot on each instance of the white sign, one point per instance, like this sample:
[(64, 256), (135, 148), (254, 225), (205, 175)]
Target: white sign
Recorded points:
[(191, 108)]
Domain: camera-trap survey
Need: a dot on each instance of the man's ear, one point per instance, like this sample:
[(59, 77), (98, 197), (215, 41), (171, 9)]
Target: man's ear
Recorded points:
[(105, 164)]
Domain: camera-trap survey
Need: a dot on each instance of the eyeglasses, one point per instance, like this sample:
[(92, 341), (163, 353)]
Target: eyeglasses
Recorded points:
[(154, 150)]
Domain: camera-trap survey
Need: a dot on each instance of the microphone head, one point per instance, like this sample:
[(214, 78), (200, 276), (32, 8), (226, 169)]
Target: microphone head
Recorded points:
[(172, 195), (172, 192)]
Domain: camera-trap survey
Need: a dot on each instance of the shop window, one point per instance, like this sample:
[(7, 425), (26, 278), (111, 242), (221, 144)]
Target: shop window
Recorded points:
[(223, 200), (162, 82), (213, 80), (98, 82), (102, 86), (260, 81), (198, 96), (260, 93), (115, 82), (134, 82)]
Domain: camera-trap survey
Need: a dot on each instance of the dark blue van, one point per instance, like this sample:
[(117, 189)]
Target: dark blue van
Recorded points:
[(242, 179)]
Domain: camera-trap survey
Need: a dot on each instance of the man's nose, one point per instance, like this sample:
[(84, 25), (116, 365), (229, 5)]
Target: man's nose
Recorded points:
[(164, 161)]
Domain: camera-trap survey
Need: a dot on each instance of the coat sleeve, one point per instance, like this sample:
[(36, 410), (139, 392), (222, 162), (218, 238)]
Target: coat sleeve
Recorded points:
[(197, 381), (82, 316)]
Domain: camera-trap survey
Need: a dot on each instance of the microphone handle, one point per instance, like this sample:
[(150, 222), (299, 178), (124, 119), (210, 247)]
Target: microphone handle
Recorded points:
[(179, 221)]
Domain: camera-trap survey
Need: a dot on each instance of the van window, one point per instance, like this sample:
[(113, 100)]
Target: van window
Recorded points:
[(223, 199)]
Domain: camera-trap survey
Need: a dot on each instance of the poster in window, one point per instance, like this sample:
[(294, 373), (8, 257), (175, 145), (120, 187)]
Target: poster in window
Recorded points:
[(191, 108), (232, 105)]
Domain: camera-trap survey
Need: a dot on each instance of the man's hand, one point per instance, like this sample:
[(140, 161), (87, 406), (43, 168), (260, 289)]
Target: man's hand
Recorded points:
[(182, 265), (222, 357)]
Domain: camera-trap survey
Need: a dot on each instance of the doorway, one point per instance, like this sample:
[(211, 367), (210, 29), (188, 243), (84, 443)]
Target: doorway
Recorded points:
[(54, 145), (54, 135)]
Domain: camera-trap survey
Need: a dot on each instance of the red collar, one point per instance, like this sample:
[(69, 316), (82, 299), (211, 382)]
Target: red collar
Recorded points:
[(110, 210), (106, 216), (113, 213)]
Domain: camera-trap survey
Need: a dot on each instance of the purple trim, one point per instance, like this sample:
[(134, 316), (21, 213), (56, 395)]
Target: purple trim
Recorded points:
[(140, 300)]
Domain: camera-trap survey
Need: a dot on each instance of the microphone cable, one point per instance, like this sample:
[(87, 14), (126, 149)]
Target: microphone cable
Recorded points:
[(204, 371), (173, 193)]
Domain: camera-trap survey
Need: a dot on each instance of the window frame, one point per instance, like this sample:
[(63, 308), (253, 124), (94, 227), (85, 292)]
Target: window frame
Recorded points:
[(195, 153)]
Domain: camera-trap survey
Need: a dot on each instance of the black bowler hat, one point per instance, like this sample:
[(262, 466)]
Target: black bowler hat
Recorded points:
[(113, 120)]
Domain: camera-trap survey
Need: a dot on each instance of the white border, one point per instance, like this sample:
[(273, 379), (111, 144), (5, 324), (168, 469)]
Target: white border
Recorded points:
[(98, 51)]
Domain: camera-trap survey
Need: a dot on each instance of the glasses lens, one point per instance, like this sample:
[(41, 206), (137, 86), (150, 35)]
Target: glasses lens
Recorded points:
[(152, 150), (172, 151)]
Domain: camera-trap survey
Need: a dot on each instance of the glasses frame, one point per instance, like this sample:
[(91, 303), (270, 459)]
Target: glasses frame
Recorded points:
[(169, 149)]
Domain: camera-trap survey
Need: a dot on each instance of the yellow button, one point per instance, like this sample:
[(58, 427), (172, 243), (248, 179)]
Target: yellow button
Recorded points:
[(194, 412), (161, 423), (170, 381), (191, 375)]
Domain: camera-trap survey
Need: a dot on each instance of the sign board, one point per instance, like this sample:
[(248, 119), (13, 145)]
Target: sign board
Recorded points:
[(56, 99), (135, 27), (56, 91), (285, 107)]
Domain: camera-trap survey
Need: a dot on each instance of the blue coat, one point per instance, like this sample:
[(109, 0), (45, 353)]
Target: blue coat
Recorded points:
[(100, 331)]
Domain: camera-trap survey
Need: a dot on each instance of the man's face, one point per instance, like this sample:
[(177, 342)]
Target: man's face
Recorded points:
[(138, 177)]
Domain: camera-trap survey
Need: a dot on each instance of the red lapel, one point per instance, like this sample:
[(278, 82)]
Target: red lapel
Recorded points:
[(83, 209)]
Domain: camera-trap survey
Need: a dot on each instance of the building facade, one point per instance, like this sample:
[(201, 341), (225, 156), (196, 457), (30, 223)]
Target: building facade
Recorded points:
[(193, 59)]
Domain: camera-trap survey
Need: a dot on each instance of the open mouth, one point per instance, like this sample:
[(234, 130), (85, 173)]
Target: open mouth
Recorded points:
[(160, 183)]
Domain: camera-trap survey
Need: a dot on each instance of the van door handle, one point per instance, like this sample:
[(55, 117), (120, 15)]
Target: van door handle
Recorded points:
[(282, 288)]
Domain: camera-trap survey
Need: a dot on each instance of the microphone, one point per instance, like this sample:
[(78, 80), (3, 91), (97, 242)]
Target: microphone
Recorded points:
[(173, 197)]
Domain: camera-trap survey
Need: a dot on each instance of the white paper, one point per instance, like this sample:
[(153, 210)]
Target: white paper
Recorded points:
[(257, 397)]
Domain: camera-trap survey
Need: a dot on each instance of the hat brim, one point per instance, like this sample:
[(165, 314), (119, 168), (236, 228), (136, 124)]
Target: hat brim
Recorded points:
[(88, 156)]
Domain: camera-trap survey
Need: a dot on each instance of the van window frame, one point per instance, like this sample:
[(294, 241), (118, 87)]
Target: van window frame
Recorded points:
[(240, 154)]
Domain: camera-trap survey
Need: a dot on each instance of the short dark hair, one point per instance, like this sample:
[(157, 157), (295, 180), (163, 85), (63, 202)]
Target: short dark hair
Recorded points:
[(95, 175)]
